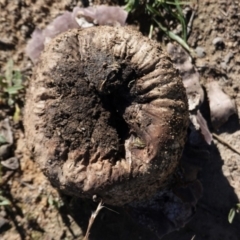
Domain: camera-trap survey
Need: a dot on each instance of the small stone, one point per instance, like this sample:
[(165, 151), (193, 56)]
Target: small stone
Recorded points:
[(223, 65), (200, 52), (218, 42), (11, 163)]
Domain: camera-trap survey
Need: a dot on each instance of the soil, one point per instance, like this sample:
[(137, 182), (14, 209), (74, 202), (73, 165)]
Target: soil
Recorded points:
[(38, 211)]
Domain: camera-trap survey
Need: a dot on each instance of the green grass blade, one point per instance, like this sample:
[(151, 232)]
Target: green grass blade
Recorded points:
[(231, 215), (4, 201), (173, 3), (182, 20), (131, 5), (14, 89), (17, 78), (173, 36)]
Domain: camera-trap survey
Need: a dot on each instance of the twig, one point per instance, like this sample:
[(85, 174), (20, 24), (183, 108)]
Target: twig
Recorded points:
[(30, 186), (225, 143)]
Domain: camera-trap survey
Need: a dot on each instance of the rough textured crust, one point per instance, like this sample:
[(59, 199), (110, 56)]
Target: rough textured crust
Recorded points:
[(106, 114)]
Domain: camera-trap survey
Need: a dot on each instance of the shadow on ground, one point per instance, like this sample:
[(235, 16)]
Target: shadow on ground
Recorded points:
[(210, 221), (113, 223)]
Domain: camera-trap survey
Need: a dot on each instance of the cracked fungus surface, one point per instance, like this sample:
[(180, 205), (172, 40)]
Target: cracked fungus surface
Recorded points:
[(106, 114)]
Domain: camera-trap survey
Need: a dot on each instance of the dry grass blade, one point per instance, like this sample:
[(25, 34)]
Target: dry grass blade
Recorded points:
[(92, 219), (225, 143)]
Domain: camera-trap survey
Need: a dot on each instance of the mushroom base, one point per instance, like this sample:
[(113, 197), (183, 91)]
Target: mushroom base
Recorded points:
[(106, 115)]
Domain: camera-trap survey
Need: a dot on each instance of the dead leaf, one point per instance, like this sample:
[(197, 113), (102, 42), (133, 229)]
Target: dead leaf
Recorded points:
[(11, 163), (41, 37), (221, 105), (79, 18), (189, 74), (190, 77), (6, 131), (102, 15)]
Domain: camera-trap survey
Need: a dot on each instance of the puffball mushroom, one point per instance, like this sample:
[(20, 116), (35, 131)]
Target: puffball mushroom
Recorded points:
[(106, 114)]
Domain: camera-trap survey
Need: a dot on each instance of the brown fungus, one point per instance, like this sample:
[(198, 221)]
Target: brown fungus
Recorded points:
[(106, 114)]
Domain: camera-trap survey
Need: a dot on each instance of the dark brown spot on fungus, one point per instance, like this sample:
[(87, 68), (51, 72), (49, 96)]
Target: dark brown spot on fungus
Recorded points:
[(106, 114)]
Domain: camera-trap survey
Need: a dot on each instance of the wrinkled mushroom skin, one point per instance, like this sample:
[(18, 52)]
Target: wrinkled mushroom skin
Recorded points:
[(106, 114)]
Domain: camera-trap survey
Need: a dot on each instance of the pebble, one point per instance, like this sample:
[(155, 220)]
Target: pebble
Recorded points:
[(200, 51), (223, 65), (218, 41)]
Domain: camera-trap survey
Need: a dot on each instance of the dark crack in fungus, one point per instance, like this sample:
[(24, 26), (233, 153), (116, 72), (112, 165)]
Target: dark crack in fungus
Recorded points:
[(106, 114)]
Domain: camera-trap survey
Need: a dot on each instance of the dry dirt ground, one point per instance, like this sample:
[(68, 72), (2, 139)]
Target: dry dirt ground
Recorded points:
[(37, 211)]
